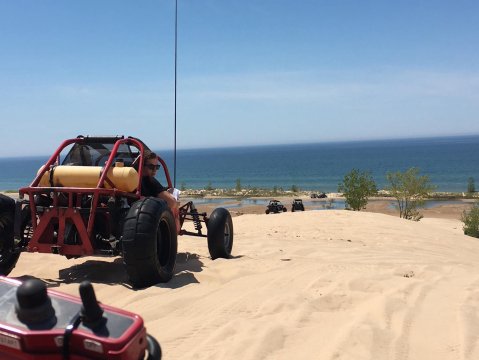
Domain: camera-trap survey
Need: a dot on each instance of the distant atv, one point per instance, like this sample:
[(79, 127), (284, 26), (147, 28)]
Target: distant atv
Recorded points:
[(297, 205), (318, 196), (275, 206), (86, 200)]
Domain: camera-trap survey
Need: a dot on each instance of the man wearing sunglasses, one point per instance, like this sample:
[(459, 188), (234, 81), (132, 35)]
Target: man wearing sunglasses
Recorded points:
[(150, 186)]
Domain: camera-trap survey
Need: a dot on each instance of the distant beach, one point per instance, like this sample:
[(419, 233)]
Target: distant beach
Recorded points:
[(244, 179), (449, 207)]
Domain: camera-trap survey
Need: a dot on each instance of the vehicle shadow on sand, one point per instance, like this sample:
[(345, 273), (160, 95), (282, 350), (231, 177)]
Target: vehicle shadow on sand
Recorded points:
[(95, 271), (113, 272), (186, 265)]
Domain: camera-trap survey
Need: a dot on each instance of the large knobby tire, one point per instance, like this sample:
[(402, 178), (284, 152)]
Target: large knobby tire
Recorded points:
[(149, 242), (220, 234), (8, 254)]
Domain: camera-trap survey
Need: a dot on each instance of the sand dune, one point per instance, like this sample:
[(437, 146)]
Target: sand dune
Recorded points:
[(303, 285)]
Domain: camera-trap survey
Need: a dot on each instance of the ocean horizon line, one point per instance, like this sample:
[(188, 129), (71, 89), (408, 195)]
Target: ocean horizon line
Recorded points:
[(449, 161), (379, 141)]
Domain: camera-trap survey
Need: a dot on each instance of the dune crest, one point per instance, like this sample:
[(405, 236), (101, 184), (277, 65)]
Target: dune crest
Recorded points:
[(304, 285)]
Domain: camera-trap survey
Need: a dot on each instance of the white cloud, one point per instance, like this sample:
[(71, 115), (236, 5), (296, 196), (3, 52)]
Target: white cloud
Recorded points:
[(316, 86)]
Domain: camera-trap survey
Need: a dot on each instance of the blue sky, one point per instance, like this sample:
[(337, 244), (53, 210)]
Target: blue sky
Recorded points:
[(249, 72)]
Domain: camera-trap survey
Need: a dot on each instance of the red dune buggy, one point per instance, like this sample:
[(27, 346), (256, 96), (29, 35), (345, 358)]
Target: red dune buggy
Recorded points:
[(86, 200)]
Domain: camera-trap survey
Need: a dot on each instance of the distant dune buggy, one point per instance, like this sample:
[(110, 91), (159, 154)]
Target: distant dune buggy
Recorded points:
[(318, 196), (86, 201), (297, 205), (275, 206)]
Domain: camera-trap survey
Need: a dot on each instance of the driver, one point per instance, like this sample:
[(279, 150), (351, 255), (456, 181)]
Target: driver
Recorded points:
[(150, 186)]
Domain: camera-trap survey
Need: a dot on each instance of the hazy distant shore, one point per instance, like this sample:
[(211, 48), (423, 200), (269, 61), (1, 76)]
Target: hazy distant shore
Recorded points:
[(270, 193), (450, 205)]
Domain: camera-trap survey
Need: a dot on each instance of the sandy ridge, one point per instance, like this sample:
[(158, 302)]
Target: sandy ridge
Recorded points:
[(305, 285)]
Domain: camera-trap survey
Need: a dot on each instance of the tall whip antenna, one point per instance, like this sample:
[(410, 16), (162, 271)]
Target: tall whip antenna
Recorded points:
[(176, 60)]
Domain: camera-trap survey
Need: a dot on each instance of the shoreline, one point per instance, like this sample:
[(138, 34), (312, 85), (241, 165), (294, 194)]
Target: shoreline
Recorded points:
[(452, 204), (448, 209)]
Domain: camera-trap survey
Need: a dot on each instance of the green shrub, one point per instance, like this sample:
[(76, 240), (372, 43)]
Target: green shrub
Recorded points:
[(356, 187), (471, 221), (410, 190)]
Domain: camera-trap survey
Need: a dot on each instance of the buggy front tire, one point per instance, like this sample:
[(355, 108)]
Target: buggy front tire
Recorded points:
[(220, 234), (149, 242), (8, 254)]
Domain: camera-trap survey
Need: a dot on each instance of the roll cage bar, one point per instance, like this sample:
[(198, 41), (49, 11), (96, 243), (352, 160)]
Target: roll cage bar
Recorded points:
[(77, 205)]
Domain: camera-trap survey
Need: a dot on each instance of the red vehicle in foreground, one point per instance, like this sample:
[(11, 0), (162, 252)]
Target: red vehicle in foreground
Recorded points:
[(86, 200)]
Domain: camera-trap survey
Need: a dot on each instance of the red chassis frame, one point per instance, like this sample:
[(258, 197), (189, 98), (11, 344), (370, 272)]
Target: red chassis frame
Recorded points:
[(59, 213)]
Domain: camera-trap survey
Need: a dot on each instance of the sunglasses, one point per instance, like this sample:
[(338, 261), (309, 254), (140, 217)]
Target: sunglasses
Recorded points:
[(152, 166)]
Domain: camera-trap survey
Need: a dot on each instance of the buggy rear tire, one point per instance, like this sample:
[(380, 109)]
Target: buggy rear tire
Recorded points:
[(149, 242), (8, 254), (220, 234)]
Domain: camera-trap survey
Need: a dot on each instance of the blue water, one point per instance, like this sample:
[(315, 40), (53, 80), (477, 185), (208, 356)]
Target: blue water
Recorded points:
[(448, 161)]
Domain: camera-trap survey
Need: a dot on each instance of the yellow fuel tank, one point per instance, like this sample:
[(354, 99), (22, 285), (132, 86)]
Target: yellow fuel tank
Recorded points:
[(124, 178)]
